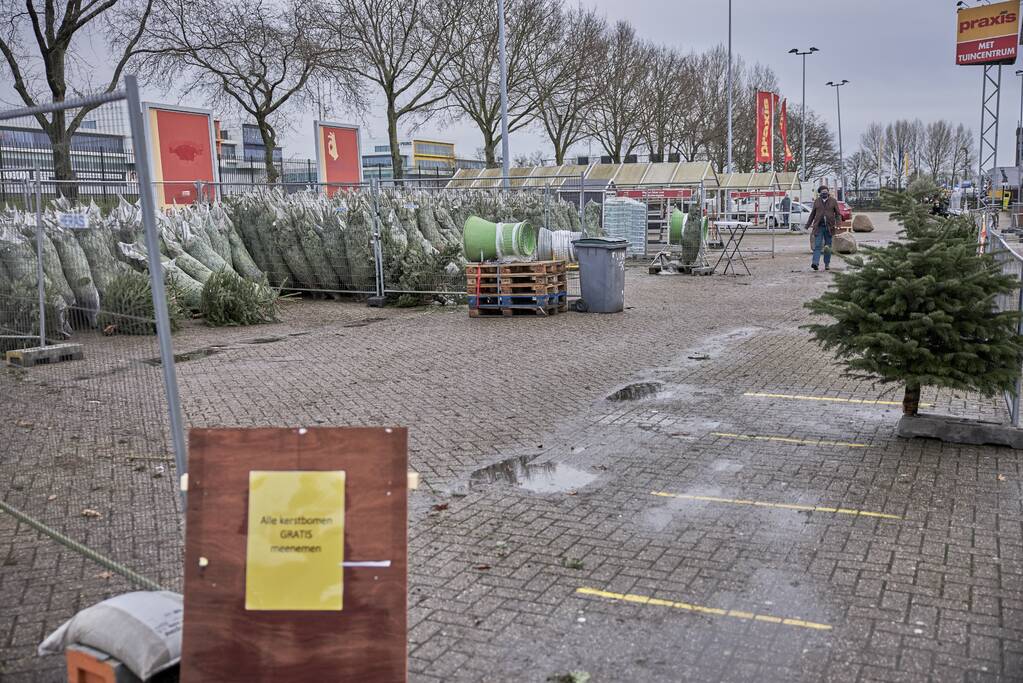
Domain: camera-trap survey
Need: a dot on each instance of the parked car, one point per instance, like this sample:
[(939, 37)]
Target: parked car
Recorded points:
[(798, 214), (844, 211)]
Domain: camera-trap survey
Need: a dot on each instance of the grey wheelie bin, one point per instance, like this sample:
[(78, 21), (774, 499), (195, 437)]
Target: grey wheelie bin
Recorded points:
[(601, 274)]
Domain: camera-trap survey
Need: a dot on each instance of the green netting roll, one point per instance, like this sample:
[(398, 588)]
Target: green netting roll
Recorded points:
[(486, 241), (677, 226)]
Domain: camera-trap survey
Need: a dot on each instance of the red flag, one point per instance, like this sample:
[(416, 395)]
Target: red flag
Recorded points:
[(783, 128), (765, 132)]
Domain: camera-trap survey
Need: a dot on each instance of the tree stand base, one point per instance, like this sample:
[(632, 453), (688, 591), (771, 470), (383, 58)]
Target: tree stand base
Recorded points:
[(959, 430)]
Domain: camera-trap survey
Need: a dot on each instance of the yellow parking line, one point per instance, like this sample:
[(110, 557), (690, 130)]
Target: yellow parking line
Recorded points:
[(782, 506), (785, 439), (830, 399), (750, 616)]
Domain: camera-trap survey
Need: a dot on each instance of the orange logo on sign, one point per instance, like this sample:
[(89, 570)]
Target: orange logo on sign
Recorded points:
[(332, 145)]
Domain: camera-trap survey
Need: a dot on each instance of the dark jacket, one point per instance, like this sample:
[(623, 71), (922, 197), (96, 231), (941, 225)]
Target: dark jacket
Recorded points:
[(828, 210)]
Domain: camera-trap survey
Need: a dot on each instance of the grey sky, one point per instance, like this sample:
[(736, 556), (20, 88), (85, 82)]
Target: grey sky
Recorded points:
[(897, 54)]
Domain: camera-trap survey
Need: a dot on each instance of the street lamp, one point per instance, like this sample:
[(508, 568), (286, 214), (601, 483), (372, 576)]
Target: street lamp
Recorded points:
[(503, 66), (1019, 72), (729, 168), (841, 164), (802, 124)]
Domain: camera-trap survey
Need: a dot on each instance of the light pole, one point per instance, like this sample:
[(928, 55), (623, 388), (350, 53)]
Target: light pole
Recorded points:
[(802, 122), (1019, 127), (503, 65), (729, 168), (838, 98)]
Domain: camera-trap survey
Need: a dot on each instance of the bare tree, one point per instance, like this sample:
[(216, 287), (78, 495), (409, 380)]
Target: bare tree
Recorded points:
[(872, 142), (535, 159), (246, 55), (962, 153), (703, 117), (938, 148), (472, 74), (665, 94), (51, 63), (564, 78), (401, 47), (901, 143), (857, 169), (617, 111), (821, 155)]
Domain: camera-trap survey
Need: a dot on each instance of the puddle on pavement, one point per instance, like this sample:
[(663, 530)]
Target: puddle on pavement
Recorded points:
[(548, 477), (189, 355), (636, 391), (265, 340), (363, 322)]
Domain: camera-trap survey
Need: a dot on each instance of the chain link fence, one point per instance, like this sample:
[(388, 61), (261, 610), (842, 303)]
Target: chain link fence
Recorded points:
[(91, 441), (1007, 251)]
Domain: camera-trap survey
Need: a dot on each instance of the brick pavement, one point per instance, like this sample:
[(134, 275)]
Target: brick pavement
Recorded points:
[(933, 595)]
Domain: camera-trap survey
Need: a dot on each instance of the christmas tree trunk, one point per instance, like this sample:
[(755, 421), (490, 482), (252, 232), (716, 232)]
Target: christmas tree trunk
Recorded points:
[(911, 399)]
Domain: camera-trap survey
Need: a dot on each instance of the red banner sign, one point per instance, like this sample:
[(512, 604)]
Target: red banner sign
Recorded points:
[(181, 145), (783, 128), (765, 132), (749, 194), (339, 156), (660, 193)]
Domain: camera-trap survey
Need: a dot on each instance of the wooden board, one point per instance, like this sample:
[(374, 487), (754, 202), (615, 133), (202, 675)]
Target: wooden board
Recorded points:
[(366, 641), (523, 267)]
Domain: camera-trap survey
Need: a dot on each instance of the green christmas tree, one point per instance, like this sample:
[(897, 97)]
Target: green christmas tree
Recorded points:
[(920, 311)]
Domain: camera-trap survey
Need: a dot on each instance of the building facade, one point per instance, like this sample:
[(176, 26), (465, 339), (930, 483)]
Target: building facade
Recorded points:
[(421, 158)]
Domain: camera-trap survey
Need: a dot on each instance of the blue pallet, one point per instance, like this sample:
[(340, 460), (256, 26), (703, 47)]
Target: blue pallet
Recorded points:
[(518, 300)]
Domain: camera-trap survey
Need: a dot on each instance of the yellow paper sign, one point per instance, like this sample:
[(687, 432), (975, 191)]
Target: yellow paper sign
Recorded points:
[(296, 541)]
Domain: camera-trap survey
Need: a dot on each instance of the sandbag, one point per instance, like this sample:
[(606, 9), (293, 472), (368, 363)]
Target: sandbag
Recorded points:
[(142, 630)]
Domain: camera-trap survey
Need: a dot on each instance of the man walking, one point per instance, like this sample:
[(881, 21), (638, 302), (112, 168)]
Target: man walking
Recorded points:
[(823, 219), (786, 212)]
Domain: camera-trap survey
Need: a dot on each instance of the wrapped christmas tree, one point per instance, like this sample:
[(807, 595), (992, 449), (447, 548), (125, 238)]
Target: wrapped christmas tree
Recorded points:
[(920, 311)]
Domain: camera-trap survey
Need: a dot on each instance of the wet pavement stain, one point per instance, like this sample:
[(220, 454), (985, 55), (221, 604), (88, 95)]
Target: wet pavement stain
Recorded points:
[(189, 355), (636, 391), (548, 477), (363, 322)]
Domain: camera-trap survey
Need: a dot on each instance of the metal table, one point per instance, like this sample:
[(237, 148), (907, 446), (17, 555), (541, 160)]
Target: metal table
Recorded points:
[(732, 247)]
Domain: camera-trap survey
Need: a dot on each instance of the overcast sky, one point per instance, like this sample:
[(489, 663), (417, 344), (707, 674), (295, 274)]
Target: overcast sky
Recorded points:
[(897, 54)]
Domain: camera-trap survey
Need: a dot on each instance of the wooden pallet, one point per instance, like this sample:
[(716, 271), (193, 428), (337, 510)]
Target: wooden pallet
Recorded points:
[(523, 267), (512, 278), (518, 303), (510, 311), (550, 285), (43, 355)]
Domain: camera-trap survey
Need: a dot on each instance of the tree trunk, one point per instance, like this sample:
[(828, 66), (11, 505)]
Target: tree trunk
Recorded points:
[(489, 148), (269, 136), (397, 167), (63, 171), (911, 400)]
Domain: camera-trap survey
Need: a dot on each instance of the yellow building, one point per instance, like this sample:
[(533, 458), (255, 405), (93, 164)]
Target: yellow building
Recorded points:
[(420, 157), (431, 155)]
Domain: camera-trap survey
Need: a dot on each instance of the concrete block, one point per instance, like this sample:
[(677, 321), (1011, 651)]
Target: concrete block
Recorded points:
[(959, 430), (42, 355)]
